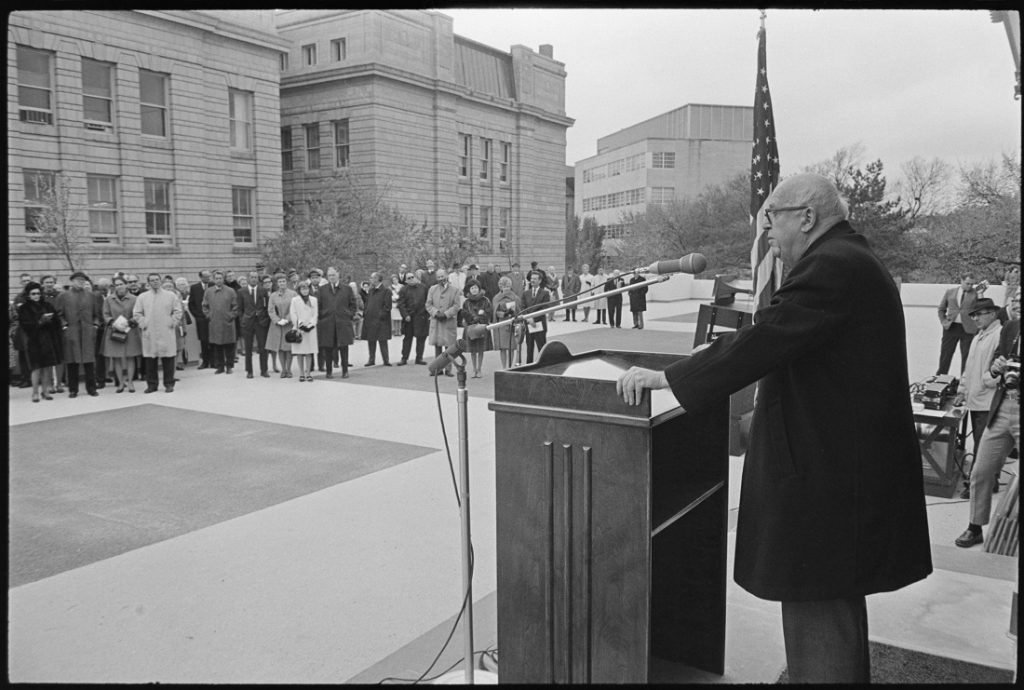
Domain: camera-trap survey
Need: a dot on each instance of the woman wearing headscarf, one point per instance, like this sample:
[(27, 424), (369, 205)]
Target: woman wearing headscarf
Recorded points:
[(279, 309), (476, 311), (303, 315), (506, 305), (42, 338), (117, 317)]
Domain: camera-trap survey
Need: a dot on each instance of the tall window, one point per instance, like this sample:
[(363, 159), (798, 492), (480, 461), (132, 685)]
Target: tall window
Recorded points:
[(102, 190), (485, 158), (241, 214), (504, 214), (312, 146), (309, 55), (666, 159), (341, 143), (662, 195), (506, 161), (464, 220), (35, 86), (338, 49), (465, 144), (485, 222), (286, 149), (39, 188), (240, 115), (97, 93), (158, 210), (153, 102), (283, 62)]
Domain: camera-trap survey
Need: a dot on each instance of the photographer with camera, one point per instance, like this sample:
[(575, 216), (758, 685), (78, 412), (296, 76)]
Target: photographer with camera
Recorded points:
[(1002, 433), (443, 307)]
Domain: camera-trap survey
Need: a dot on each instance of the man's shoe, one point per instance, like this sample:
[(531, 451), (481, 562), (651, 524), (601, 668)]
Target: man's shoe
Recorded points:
[(402, 363), (230, 370), (248, 374), (219, 371), (203, 365), (370, 363), (100, 385), (169, 389), (329, 376), (420, 361), (387, 364), (73, 394), (152, 389), (344, 375), (93, 393), (179, 367), (969, 538), (265, 374)]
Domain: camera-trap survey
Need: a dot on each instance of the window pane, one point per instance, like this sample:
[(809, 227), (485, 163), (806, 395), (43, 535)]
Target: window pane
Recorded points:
[(153, 121), (33, 67), (151, 88), (95, 78), (33, 98), (96, 109)]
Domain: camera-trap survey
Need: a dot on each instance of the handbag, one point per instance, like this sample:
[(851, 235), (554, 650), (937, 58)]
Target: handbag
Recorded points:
[(293, 336), (118, 336)]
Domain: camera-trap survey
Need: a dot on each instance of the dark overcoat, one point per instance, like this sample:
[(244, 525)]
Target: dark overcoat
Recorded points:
[(832, 500), (220, 306), (637, 296), (377, 314), (82, 315), (42, 337), (336, 307), (412, 302)]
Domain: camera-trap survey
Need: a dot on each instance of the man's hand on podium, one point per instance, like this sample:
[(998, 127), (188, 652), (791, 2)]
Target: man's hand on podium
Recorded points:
[(632, 382)]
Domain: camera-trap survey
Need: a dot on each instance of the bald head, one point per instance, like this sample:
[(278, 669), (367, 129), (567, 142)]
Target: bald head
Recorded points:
[(814, 191), (799, 211)]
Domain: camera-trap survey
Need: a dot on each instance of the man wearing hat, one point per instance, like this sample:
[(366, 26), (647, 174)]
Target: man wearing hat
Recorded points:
[(472, 278), (976, 386), (80, 315)]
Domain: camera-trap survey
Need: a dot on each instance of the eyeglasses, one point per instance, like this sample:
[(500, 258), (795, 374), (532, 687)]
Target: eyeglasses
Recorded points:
[(769, 211), (34, 292)]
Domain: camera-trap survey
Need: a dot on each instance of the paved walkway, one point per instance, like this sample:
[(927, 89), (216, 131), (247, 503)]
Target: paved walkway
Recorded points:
[(322, 588)]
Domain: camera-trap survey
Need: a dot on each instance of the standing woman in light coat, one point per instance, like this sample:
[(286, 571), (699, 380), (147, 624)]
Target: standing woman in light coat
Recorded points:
[(601, 303), (122, 356), (279, 308), (443, 300), (303, 315)]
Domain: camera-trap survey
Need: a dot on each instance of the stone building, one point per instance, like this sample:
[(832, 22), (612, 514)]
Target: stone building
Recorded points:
[(451, 132), (165, 125), (673, 155)]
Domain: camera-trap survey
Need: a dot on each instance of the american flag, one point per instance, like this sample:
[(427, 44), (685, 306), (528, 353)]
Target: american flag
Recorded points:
[(764, 175)]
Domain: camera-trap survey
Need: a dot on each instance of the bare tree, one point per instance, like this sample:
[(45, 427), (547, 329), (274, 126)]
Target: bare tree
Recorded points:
[(839, 168), (57, 219), (925, 186), (990, 182)]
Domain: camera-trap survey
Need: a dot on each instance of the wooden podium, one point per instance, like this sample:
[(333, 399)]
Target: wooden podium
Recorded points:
[(611, 523)]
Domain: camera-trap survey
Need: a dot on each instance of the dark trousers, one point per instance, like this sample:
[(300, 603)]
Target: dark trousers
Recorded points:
[(372, 345), (203, 334), (638, 319), (407, 337), (539, 339), (951, 337), (614, 313), (827, 641), (101, 361), (570, 313), (72, 374), (167, 363), (329, 355), (259, 336), (222, 355)]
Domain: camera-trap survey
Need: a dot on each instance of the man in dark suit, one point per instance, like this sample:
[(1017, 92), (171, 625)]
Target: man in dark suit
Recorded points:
[(195, 305), (832, 502), (412, 305), (336, 308), (254, 322), (957, 327), (535, 297)]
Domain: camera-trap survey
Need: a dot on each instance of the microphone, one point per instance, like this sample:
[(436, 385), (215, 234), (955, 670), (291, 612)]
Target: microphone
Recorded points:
[(691, 263), (455, 351)]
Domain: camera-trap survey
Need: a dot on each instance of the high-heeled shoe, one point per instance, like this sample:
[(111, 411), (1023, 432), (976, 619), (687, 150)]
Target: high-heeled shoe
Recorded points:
[(35, 397), (131, 387), (120, 388), (47, 396)]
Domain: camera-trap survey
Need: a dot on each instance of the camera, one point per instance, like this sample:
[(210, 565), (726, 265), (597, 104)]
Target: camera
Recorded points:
[(983, 285)]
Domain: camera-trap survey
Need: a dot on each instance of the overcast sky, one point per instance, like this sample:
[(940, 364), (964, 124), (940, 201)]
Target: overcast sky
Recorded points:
[(904, 83)]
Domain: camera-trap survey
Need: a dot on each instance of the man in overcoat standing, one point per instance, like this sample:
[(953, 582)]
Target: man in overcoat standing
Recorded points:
[(336, 308), (80, 315), (443, 300), (195, 306), (832, 502), (412, 305), (220, 306), (158, 313), (377, 320)]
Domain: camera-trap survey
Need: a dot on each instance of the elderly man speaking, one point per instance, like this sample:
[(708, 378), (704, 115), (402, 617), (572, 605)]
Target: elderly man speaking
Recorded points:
[(832, 501)]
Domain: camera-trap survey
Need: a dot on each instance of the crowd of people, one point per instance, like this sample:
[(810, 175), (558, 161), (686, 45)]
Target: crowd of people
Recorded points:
[(123, 329)]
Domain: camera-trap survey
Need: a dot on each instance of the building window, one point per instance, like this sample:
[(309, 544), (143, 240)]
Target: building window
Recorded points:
[(35, 86), (465, 144), (286, 149), (662, 195), (616, 167), (312, 146), (309, 55), (158, 211), (240, 115), (97, 94), (663, 160), (39, 197), (506, 161), (241, 214), (485, 158), (338, 52), (504, 214), (485, 222), (283, 62), (102, 192), (464, 220), (341, 143), (153, 102)]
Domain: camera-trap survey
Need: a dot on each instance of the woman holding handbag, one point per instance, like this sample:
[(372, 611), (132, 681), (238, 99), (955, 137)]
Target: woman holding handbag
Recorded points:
[(122, 342), (279, 307), (303, 315), (41, 338), (476, 311)]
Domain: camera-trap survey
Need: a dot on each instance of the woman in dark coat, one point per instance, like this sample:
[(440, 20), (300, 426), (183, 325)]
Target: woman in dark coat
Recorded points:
[(476, 310), (42, 338), (638, 301)]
